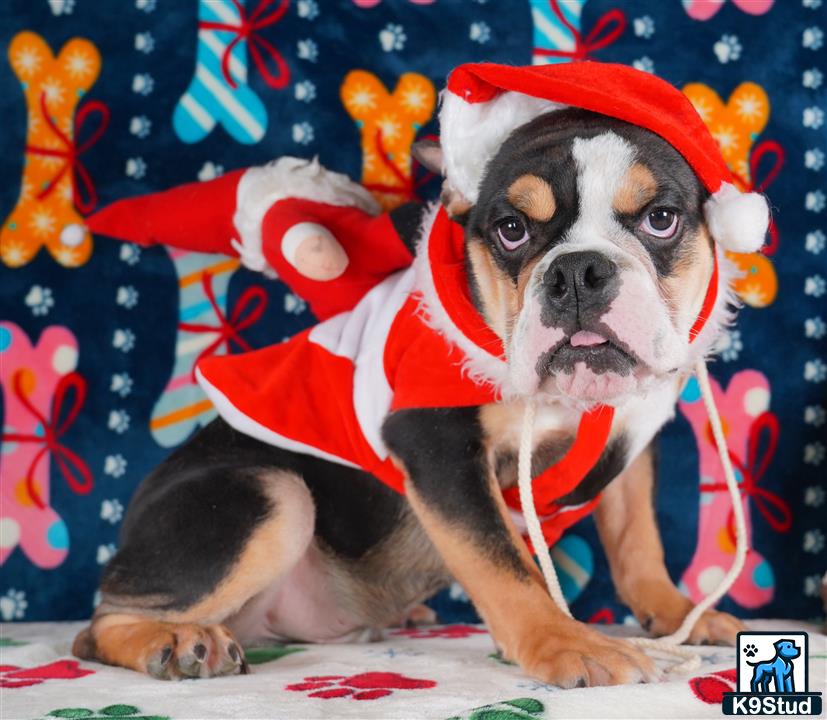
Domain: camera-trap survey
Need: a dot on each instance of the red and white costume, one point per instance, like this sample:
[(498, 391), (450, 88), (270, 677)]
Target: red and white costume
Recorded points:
[(395, 336)]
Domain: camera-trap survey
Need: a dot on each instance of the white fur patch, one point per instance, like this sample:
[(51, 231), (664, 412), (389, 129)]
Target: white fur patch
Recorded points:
[(288, 177)]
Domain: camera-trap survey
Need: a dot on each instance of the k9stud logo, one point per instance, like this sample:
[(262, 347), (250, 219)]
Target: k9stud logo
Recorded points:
[(772, 676)]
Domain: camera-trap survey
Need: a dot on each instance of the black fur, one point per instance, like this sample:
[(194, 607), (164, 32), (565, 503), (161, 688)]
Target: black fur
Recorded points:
[(406, 221), (443, 453), (608, 467)]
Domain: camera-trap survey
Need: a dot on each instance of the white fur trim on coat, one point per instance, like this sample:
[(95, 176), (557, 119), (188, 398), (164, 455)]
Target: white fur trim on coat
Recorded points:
[(482, 367), (288, 177), (738, 221), (471, 133)]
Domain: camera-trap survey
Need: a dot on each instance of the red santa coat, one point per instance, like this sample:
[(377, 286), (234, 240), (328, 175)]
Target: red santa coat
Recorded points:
[(327, 391)]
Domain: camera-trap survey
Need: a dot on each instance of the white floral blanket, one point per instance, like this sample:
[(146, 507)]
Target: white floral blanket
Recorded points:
[(439, 672)]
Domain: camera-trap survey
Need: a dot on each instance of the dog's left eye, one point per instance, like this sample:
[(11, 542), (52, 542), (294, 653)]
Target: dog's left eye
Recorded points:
[(512, 233), (661, 223)]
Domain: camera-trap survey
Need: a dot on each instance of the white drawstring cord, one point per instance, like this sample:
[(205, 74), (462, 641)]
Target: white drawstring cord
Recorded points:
[(669, 644)]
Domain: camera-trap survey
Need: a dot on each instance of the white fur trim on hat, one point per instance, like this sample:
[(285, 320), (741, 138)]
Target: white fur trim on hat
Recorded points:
[(738, 221), (471, 133), (288, 177)]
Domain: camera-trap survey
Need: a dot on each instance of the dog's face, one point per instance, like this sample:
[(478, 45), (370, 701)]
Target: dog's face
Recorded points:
[(589, 256)]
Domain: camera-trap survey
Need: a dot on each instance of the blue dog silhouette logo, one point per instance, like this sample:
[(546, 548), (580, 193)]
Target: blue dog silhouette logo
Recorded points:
[(777, 673)]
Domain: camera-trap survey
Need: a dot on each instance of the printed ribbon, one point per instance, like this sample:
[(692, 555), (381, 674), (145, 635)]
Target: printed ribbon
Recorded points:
[(52, 432), (71, 152), (775, 510), (772, 149), (608, 28), (407, 187), (253, 302), (246, 30)]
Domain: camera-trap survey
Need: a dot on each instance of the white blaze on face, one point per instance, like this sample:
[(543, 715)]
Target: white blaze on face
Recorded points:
[(638, 316)]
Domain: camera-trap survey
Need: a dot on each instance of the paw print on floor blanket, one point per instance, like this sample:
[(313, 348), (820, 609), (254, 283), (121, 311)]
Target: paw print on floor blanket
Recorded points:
[(364, 686)]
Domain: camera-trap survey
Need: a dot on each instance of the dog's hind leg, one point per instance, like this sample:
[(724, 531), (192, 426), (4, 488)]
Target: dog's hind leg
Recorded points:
[(195, 550)]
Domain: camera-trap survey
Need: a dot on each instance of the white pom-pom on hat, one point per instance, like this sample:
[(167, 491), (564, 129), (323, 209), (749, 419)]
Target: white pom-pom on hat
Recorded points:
[(738, 221)]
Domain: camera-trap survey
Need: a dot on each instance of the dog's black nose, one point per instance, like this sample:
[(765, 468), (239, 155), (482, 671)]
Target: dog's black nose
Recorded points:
[(582, 278)]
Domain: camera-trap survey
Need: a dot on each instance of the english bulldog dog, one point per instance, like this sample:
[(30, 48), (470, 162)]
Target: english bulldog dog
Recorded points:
[(574, 260)]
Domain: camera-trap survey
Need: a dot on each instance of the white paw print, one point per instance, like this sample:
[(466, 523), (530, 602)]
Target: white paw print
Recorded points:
[(61, 7), (815, 328), (136, 168), (143, 84), (114, 465), (118, 421), (13, 605), (140, 126), (121, 383), (392, 37), (209, 171), (729, 345), (811, 4), (644, 27), (302, 133), (123, 339), (307, 50), (812, 117), (305, 91), (105, 553), (815, 371), (127, 296), (814, 496), (813, 541), (479, 32), (814, 286), (144, 42), (812, 38), (307, 9), (645, 63), (814, 453), (812, 78), (293, 304), (727, 49), (815, 241), (814, 159), (130, 253), (146, 6), (812, 585), (815, 415), (40, 300), (815, 200), (111, 510)]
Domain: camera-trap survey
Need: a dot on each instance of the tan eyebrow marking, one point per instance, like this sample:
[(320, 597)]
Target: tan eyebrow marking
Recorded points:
[(637, 188), (533, 196)]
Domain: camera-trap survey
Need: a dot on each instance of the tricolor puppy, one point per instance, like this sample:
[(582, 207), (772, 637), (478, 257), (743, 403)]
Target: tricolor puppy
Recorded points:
[(576, 260)]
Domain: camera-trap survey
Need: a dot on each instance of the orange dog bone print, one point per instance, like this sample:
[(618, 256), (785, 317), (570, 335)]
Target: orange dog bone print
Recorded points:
[(388, 123), (55, 182), (736, 125)]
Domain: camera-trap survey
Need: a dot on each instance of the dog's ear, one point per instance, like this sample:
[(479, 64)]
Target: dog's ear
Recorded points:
[(428, 153)]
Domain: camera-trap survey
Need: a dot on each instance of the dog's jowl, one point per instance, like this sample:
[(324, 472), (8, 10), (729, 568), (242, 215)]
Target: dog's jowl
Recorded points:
[(575, 261)]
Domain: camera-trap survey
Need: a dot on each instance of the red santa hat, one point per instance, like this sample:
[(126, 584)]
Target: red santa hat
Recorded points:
[(226, 215), (483, 103)]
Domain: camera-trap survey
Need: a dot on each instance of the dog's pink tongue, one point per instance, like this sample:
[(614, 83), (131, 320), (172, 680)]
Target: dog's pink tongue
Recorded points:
[(584, 338)]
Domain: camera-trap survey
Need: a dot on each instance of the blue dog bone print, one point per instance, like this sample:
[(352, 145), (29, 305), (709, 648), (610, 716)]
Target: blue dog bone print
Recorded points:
[(210, 99)]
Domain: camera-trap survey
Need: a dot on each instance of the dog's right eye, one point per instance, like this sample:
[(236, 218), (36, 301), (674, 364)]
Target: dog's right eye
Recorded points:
[(512, 233)]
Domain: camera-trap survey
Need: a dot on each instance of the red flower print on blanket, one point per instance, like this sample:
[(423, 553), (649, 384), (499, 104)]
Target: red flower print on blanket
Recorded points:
[(450, 632), (12, 676), (711, 688), (364, 686)]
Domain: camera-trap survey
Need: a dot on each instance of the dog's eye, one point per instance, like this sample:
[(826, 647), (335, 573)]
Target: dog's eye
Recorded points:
[(512, 233), (661, 222)]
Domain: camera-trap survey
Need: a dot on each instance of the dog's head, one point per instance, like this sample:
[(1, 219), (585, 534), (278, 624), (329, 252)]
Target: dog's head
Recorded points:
[(588, 254), (787, 649)]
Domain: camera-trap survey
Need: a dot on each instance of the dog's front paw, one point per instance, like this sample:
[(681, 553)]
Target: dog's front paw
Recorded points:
[(577, 656)]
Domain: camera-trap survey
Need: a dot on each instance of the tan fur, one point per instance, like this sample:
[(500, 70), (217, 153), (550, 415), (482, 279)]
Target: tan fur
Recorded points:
[(637, 188), (499, 295), (533, 196), (685, 288), (628, 531)]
